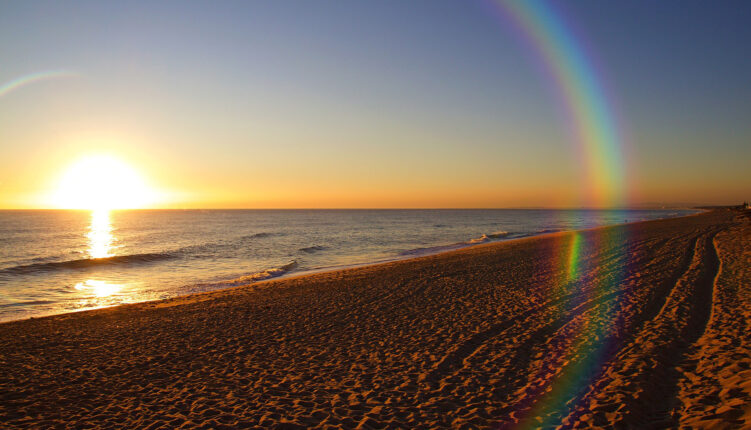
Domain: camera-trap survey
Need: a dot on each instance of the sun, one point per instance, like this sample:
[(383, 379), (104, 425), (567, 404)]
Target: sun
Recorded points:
[(102, 182)]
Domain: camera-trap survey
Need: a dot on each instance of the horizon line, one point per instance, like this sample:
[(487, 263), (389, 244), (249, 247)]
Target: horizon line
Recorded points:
[(634, 207)]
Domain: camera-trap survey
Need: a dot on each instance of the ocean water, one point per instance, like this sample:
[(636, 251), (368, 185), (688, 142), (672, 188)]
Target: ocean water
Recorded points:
[(63, 261)]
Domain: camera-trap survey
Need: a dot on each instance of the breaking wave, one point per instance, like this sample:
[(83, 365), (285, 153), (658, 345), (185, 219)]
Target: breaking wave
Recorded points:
[(432, 249), (87, 262), (489, 237), (27, 303), (251, 278), (258, 235), (312, 249), (549, 230), (442, 248)]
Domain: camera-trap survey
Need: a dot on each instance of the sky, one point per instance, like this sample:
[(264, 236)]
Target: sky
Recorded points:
[(330, 104)]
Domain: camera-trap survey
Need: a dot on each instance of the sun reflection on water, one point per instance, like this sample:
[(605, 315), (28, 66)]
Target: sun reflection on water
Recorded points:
[(101, 245), (100, 234), (98, 288)]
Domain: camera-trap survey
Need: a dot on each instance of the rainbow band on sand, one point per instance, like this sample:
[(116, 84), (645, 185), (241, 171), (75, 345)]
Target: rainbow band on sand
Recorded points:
[(34, 77), (598, 139)]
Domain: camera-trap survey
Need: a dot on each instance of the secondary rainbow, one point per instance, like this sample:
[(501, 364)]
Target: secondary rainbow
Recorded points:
[(30, 78)]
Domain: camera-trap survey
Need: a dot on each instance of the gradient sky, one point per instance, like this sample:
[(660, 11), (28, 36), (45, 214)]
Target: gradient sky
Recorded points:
[(369, 104)]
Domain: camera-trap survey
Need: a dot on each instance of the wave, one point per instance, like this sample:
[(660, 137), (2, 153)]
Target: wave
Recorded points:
[(251, 278), (40, 265), (28, 303), (431, 249), (549, 230), (258, 235), (207, 249), (87, 262), (498, 234), (312, 249), (489, 237)]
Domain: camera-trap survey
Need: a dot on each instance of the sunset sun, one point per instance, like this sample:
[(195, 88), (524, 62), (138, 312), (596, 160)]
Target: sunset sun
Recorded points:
[(102, 182)]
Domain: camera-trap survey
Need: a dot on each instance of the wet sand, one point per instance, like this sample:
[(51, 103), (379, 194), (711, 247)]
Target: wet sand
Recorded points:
[(643, 325)]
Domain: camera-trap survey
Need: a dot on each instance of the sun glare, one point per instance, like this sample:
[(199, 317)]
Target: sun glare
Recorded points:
[(100, 234), (101, 183), (98, 288)]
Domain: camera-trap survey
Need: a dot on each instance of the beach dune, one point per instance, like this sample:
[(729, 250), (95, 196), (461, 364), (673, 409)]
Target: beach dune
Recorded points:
[(642, 325)]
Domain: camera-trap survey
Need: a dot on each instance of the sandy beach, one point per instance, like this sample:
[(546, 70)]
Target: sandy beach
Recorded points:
[(642, 325)]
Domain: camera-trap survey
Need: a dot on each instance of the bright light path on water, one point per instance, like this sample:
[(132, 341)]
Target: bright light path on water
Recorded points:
[(100, 234), (98, 288)]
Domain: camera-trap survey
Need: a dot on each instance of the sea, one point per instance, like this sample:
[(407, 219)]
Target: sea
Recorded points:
[(54, 262)]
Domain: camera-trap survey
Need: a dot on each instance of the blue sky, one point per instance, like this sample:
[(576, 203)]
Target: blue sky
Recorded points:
[(351, 104)]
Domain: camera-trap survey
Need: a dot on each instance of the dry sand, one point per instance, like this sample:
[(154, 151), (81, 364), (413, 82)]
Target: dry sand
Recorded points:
[(637, 326)]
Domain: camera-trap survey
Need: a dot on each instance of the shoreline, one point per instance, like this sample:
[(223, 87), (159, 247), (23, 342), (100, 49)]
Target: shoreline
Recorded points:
[(404, 256)]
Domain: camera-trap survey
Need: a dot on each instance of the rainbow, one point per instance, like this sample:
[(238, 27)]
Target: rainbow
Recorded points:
[(30, 78), (586, 104), (599, 145)]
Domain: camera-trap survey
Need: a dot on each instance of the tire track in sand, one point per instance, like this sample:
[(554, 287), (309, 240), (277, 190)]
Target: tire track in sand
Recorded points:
[(553, 370), (461, 356), (644, 375)]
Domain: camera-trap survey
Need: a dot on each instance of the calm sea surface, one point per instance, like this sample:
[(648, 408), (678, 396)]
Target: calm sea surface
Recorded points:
[(62, 261)]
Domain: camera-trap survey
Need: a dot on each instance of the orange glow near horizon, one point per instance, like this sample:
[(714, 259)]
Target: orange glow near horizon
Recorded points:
[(136, 177)]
